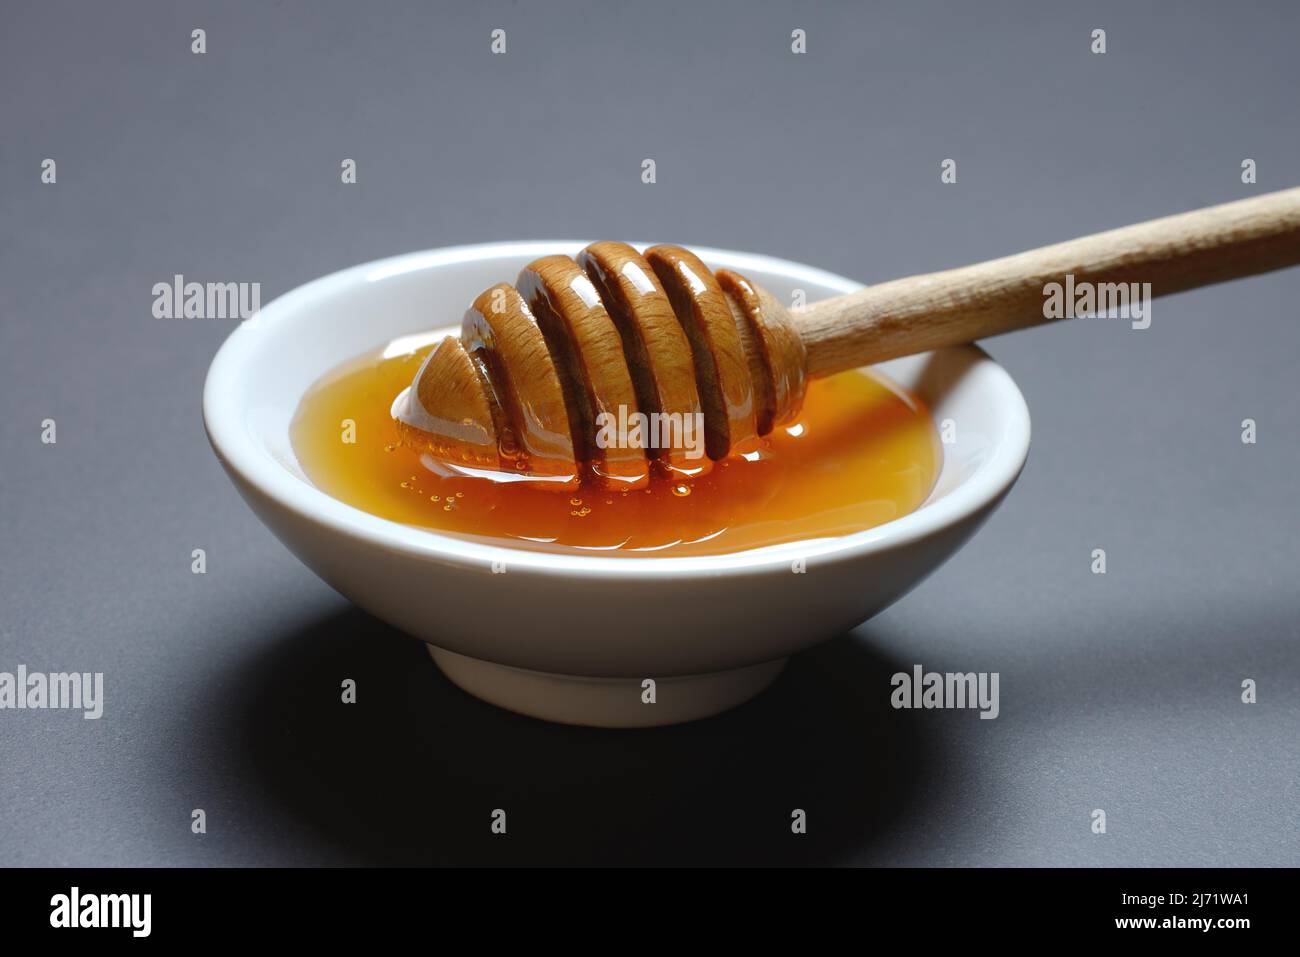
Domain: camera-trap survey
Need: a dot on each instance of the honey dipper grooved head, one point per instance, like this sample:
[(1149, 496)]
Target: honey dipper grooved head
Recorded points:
[(616, 344)]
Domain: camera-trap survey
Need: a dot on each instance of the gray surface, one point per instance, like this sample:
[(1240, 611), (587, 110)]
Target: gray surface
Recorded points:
[(1118, 692)]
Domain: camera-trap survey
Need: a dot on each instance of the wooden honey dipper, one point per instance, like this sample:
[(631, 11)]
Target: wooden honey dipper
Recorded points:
[(519, 392)]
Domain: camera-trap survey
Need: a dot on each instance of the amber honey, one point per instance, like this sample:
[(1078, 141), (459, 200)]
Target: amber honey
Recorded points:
[(861, 453)]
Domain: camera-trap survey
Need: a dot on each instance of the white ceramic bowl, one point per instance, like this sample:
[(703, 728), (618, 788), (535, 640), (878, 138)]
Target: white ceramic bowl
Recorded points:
[(572, 638)]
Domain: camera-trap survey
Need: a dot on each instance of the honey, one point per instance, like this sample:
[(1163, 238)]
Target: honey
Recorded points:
[(861, 453)]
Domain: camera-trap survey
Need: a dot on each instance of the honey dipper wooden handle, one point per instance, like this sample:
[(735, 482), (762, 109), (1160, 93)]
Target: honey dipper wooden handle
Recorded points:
[(553, 377), (919, 313)]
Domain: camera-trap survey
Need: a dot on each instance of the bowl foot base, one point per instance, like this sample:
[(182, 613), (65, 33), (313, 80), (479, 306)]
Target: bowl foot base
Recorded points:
[(604, 702)]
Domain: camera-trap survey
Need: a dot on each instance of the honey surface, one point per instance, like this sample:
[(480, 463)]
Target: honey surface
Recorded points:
[(861, 453)]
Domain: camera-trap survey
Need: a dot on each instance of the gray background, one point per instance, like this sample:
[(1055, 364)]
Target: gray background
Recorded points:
[(1118, 692)]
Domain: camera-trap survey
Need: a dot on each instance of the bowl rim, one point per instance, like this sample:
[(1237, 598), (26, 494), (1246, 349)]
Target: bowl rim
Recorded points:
[(250, 463)]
